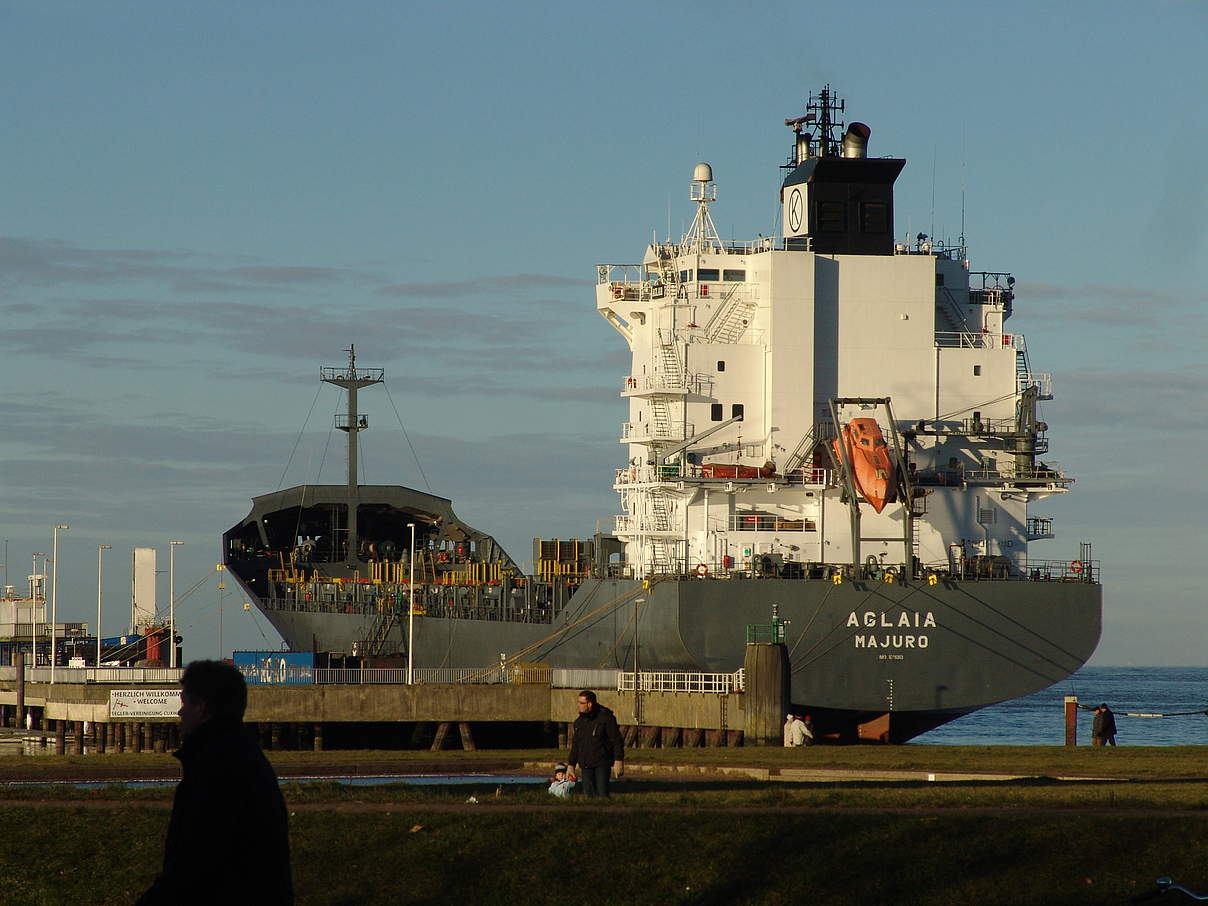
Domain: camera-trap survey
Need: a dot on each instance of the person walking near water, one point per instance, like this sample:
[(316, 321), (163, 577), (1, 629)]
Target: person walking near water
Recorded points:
[(597, 746), (1103, 731), (788, 730), (228, 840)]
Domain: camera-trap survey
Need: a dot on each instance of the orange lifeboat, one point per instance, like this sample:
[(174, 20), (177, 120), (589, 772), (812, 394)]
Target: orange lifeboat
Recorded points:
[(869, 456)]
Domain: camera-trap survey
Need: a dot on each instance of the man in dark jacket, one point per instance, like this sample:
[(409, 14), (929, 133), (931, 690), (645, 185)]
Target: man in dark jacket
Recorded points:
[(1103, 731), (227, 838), (597, 745)]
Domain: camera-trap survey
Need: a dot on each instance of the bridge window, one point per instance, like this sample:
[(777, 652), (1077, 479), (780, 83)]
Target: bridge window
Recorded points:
[(874, 217), (734, 276), (736, 410), (706, 274), (715, 412), (686, 276)]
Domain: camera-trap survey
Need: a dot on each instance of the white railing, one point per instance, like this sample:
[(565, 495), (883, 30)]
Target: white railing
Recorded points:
[(667, 681), (633, 430), (963, 340), (1041, 380), (670, 383), (110, 675)]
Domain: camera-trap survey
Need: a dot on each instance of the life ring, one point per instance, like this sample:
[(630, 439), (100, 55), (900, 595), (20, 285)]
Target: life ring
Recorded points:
[(1076, 567), (702, 571)]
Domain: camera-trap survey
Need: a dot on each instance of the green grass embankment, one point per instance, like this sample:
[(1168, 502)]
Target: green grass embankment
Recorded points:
[(720, 840)]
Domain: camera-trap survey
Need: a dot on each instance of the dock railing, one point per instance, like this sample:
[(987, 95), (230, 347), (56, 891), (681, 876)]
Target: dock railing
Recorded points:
[(116, 676), (669, 681)]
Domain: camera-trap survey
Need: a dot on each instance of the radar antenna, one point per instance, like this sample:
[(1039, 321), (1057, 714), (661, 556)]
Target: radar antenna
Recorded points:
[(818, 132)]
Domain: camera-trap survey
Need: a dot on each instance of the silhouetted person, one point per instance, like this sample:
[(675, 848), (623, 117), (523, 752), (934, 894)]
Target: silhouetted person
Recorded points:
[(597, 745), (228, 840), (1103, 730)]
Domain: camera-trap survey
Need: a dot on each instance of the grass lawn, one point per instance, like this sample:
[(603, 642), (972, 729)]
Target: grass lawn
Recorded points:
[(722, 840)]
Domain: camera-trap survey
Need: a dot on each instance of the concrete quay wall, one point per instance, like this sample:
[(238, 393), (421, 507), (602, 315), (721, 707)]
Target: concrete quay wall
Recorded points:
[(389, 703)]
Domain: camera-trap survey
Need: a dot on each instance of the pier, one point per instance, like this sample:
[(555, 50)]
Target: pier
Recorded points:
[(535, 706)]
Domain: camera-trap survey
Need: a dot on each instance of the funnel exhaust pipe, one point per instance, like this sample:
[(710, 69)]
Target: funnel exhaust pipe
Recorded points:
[(855, 140)]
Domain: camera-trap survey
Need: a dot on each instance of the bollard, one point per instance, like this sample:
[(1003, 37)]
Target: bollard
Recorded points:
[(1071, 720)]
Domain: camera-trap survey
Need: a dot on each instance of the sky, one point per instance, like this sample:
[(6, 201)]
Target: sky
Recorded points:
[(201, 204)]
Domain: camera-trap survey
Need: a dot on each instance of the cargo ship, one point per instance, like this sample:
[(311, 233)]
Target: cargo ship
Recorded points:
[(833, 442)]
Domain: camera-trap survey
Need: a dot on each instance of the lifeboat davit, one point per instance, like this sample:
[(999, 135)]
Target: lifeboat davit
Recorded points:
[(869, 457)]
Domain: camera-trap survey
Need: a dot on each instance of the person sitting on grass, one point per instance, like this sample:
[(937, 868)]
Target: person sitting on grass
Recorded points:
[(559, 785)]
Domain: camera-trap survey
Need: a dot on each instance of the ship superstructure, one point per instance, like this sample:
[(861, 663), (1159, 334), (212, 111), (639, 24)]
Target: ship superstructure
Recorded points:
[(748, 358), (832, 426)]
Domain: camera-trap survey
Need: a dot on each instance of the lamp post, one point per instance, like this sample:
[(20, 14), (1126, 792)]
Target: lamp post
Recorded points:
[(54, 598), (34, 585), (172, 545), (221, 587), (100, 584), (411, 611)]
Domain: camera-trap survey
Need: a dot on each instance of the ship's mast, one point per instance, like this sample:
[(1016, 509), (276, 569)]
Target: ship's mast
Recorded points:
[(352, 379)]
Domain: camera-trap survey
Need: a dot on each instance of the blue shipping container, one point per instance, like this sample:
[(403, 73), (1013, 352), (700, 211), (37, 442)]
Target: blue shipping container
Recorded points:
[(275, 668)]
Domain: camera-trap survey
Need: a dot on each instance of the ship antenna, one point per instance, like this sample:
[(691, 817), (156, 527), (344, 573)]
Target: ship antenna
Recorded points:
[(352, 379), (702, 235)]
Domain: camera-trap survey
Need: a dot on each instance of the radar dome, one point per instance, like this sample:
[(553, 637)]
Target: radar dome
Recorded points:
[(702, 173)]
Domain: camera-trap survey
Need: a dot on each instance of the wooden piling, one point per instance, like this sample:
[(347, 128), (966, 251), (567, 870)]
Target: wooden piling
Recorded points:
[(693, 737), (1071, 720), (671, 737), (467, 738), (563, 735), (77, 747), (438, 741), (60, 737), (148, 736), (19, 661), (318, 738), (649, 737)]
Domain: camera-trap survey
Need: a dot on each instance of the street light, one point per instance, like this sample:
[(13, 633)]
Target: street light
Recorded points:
[(100, 581), (34, 585), (221, 586), (411, 612), (172, 545), (54, 599)]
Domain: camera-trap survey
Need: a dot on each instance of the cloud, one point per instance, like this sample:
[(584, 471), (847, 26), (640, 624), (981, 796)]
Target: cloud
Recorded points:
[(53, 262), (510, 285), (1097, 305)]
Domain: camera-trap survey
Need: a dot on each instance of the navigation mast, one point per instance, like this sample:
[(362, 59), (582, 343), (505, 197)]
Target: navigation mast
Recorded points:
[(352, 379)]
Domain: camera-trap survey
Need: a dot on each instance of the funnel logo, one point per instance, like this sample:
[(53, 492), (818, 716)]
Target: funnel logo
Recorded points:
[(795, 211)]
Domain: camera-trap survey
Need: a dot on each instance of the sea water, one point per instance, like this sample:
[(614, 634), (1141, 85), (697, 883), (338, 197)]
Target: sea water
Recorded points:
[(1039, 719)]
